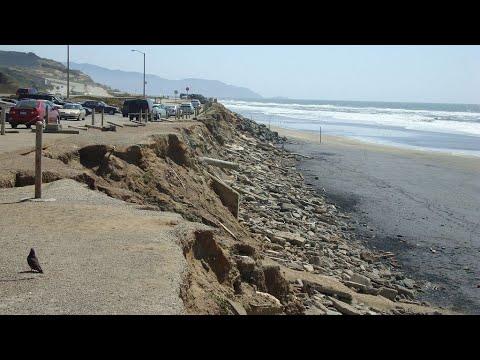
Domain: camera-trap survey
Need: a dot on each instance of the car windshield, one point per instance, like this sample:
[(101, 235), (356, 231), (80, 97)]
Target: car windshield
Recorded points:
[(27, 104), (72, 106)]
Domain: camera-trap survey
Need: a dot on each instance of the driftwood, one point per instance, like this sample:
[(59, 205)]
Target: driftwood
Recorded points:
[(115, 124), (219, 163), (138, 123), (78, 127), (93, 127), (227, 230)]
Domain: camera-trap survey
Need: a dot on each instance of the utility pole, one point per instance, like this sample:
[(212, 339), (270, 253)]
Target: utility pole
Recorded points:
[(68, 72), (144, 82)]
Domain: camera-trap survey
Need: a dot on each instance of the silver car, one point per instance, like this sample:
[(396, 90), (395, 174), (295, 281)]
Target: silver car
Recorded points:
[(72, 111), (187, 109)]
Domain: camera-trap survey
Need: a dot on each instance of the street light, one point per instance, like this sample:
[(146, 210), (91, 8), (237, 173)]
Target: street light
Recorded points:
[(141, 52)]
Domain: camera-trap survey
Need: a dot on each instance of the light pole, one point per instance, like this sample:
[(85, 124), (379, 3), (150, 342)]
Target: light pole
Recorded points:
[(141, 52), (68, 72)]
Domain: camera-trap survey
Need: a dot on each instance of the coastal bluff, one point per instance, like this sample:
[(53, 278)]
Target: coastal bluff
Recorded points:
[(138, 227)]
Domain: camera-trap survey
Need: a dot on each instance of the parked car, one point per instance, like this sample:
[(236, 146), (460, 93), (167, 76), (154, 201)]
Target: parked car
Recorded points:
[(99, 105), (7, 106), (171, 110), (29, 111), (9, 100), (72, 111), (187, 109), (159, 111), (131, 107), (43, 96), (25, 92), (196, 104)]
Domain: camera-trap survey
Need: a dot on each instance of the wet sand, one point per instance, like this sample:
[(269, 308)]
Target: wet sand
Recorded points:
[(423, 206)]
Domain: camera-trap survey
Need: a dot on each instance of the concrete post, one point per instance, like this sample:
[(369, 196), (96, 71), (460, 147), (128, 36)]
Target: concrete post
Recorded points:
[(141, 116), (38, 160), (4, 115)]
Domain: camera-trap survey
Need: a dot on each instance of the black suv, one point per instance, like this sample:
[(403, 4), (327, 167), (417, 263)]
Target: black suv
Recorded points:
[(99, 105), (133, 106), (42, 96)]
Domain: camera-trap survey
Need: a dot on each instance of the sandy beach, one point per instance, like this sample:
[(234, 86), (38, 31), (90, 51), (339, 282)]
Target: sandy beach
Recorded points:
[(424, 206)]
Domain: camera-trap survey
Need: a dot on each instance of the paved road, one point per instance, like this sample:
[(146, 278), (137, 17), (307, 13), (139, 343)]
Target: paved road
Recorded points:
[(100, 255)]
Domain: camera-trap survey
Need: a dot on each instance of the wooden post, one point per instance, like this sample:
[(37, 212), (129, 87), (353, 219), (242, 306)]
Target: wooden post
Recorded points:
[(4, 115), (38, 160), (103, 113), (93, 116)]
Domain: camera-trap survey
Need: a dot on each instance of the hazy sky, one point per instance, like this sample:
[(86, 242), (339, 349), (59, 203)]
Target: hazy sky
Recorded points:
[(383, 73)]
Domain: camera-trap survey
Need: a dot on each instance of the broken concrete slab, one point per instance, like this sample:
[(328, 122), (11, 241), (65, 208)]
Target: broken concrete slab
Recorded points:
[(229, 197)]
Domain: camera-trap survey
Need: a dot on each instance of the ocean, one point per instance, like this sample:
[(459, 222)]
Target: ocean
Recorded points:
[(451, 128)]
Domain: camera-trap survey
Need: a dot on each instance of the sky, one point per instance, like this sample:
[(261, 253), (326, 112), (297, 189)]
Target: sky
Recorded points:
[(439, 74)]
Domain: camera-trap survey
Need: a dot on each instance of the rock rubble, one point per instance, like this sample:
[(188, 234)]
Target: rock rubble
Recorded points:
[(303, 232)]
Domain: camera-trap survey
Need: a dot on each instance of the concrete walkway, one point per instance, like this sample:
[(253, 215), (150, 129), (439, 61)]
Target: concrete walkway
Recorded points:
[(99, 255)]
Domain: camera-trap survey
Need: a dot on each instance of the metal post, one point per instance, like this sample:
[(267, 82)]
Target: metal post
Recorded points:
[(46, 117), (320, 134), (4, 115), (38, 160), (68, 71), (143, 74), (103, 113), (93, 116)]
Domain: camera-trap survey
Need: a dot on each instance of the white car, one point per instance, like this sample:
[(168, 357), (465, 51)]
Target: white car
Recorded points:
[(159, 111), (72, 112), (196, 104)]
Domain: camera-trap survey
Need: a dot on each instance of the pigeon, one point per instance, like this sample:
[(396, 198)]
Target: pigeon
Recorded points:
[(33, 262)]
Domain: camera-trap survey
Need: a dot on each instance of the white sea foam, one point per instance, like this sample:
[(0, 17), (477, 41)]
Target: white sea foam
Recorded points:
[(453, 122)]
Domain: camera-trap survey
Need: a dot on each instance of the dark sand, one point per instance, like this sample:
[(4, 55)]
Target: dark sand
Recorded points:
[(423, 206)]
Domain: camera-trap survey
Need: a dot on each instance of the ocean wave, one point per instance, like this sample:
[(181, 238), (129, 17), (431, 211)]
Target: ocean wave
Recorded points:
[(463, 122)]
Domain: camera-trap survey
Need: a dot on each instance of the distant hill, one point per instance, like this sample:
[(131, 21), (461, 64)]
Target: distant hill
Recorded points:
[(131, 82), (19, 69)]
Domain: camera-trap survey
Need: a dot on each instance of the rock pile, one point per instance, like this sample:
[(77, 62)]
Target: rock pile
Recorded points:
[(303, 232)]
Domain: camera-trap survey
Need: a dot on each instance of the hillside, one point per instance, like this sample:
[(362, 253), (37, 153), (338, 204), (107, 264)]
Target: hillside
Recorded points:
[(18, 69), (131, 82)]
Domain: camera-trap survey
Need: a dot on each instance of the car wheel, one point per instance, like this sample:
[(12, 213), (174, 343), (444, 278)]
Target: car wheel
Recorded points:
[(112, 112), (29, 126), (13, 125)]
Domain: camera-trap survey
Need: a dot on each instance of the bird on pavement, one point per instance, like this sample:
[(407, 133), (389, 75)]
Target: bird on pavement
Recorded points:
[(33, 262)]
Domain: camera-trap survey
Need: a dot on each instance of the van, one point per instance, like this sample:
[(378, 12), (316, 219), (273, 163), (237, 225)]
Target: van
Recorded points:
[(131, 108)]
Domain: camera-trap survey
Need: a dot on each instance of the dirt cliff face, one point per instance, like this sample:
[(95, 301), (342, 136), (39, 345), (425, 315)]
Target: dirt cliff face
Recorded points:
[(224, 263)]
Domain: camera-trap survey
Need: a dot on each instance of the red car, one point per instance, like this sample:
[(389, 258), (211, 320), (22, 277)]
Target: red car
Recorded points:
[(28, 112)]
